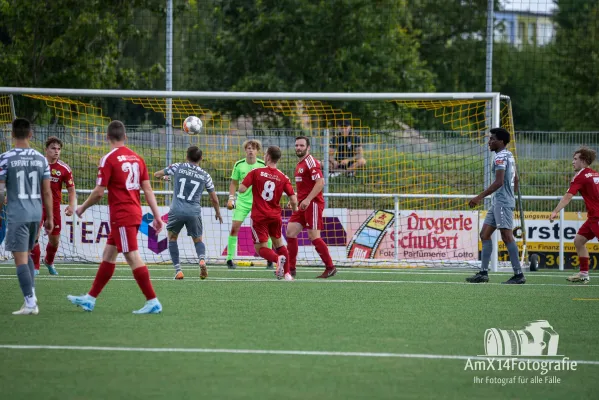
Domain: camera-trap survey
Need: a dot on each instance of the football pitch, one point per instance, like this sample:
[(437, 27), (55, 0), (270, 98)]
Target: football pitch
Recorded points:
[(241, 334)]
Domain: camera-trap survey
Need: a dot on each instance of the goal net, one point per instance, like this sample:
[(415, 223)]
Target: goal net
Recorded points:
[(424, 156)]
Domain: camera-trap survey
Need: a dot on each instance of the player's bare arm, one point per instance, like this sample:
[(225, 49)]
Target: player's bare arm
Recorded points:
[(318, 186), (47, 199), (162, 175), (493, 187), (242, 188), (151, 200), (232, 189), (216, 205), (72, 201), (293, 202), (94, 197), (562, 204)]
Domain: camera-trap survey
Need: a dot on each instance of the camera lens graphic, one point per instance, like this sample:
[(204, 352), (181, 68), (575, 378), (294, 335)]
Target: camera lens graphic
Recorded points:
[(502, 342)]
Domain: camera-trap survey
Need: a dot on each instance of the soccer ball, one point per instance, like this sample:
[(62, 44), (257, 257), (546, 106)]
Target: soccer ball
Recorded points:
[(192, 125)]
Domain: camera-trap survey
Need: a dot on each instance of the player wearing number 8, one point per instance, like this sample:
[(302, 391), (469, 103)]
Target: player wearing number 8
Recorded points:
[(190, 181), (124, 173), (268, 185)]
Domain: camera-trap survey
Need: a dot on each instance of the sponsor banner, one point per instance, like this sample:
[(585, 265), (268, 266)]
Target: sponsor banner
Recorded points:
[(542, 238), (423, 235), (349, 234)]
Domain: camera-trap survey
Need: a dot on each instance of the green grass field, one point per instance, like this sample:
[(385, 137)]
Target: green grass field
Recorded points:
[(364, 334)]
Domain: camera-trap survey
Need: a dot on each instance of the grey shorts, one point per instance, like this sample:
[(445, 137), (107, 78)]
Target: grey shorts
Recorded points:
[(500, 217), (192, 223), (20, 236)]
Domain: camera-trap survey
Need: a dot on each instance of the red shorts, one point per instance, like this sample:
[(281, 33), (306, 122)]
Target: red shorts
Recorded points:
[(57, 221), (311, 217), (590, 229), (264, 229), (123, 237)]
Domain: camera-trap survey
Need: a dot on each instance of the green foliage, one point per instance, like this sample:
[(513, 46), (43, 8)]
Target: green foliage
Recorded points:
[(577, 63)]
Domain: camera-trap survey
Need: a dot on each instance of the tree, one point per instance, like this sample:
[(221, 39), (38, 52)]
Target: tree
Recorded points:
[(68, 43), (577, 80), (302, 45)]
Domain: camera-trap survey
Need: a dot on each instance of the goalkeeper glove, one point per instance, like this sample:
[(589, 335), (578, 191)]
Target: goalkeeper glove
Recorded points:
[(231, 202)]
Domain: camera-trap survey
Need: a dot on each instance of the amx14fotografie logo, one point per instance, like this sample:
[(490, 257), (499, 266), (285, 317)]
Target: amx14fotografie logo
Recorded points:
[(533, 349)]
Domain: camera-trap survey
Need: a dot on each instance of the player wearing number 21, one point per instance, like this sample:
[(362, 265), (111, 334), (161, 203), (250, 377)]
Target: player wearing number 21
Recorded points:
[(268, 185), (123, 173), (25, 177), (586, 181)]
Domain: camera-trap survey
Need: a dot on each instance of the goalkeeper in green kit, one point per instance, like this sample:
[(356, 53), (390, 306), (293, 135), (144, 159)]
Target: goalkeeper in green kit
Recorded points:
[(243, 204)]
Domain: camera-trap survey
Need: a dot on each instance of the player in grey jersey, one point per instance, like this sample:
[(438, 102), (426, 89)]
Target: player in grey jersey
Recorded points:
[(25, 175), (190, 181), (501, 214)]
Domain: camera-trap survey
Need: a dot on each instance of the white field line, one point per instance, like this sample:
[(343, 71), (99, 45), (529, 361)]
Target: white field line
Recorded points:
[(464, 272), (272, 280), (280, 352)]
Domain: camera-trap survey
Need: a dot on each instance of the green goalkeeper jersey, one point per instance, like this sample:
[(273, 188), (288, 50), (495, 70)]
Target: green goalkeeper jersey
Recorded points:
[(240, 170)]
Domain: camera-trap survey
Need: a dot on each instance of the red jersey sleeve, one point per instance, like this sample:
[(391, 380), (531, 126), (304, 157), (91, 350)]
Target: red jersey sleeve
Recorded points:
[(68, 179), (576, 184), (104, 172), (249, 179), (316, 173)]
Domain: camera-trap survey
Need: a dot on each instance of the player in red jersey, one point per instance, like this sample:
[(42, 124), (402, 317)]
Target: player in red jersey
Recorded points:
[(309, 181), (124, 173), (60, 174), (586, 181), (268, 185)]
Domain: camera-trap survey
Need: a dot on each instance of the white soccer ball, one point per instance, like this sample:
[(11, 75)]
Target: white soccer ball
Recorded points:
[(192, 125)]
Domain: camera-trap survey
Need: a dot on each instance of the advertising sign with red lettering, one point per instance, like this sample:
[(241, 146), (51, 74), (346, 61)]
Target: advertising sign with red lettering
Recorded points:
[(422, 235)]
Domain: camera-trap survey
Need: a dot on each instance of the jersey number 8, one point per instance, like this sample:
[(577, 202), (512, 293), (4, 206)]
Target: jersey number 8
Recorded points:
[(269, 190)]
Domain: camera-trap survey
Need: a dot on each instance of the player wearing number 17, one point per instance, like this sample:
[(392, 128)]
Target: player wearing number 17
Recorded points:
[(124, 173), (268, 185)]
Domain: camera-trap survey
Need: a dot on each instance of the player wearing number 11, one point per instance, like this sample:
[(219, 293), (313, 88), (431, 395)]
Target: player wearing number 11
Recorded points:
[(25, 178), (124, 173)]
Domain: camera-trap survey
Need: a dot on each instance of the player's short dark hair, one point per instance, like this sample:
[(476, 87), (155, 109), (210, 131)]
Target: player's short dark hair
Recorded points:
[(254, 143), (587, 155), (194, 154), (306, 138), (274, 152), (116, 131), (501, 134), (21, 128), (53, 139)]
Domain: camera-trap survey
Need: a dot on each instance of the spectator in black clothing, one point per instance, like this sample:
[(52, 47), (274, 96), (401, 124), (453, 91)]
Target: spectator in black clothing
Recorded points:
[(345, 151)]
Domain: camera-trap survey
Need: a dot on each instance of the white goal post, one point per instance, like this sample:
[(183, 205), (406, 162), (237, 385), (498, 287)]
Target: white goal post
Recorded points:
[(409, 139)]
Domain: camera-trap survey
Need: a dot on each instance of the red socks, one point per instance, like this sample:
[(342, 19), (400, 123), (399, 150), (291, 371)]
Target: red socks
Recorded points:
[(50, 254), (35, 255), (293, 249), (268, 254), (142, 276), (584, 264), (323, 252), (102, 277)]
